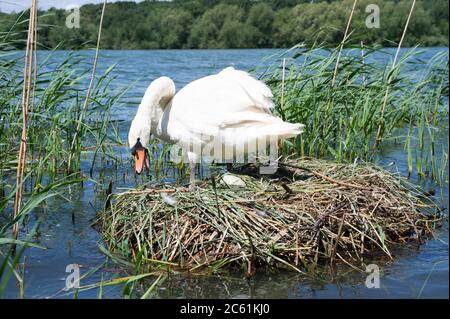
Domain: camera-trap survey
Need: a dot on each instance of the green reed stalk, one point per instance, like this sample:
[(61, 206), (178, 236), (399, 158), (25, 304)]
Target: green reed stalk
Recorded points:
[(344, 39), (390, 78), (86, 101)]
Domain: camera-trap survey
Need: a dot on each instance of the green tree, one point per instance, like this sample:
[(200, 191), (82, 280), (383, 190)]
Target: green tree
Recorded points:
[(175, 28), (260, 21), (207, 31), (234, 24)]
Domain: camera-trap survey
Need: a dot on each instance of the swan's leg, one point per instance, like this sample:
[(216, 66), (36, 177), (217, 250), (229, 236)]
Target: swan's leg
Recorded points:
[(192, 161)]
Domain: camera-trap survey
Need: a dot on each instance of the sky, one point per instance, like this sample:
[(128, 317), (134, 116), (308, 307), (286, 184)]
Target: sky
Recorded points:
[(19, 5)]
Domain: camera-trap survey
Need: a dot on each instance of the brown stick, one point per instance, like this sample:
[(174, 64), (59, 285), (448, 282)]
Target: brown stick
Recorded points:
[(282, 84), (338, 237), (150, 191), (27, 79), (326, 177), (35, 68)]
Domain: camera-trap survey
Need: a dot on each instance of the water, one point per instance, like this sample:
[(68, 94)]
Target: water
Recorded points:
[(416, 272)]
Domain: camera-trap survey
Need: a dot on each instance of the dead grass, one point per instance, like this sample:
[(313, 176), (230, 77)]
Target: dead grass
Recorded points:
[(310, 212)]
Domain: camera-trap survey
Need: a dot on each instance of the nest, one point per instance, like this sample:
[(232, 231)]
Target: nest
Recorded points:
[(310, 212)]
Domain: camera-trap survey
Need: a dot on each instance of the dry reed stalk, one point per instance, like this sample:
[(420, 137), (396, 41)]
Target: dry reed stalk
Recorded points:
[(33, 99), (283, 75), (326, 177), (342, 43), (282, 85), (91, 83), (30, 64), (383, 107), (363, 63)]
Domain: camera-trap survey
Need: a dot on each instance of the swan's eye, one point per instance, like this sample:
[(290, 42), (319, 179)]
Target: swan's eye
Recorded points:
[(136, 147)]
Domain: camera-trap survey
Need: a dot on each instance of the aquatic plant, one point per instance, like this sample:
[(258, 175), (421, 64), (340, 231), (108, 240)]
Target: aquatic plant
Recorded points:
[(345, 120), (44, 131), (11, 257), (57, 117)]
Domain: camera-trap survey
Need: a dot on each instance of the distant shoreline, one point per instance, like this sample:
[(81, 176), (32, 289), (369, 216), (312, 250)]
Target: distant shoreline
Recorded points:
[(232, 49), (234, 24)]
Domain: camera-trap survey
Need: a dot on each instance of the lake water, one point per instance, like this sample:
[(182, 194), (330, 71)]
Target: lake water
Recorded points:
[(415, 272)]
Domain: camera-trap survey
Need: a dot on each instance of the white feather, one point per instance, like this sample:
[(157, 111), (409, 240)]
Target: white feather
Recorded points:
[(232, 180), (169, 200)]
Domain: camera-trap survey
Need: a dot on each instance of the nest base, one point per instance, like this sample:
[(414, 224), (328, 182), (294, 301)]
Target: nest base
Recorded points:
[(314, 211)]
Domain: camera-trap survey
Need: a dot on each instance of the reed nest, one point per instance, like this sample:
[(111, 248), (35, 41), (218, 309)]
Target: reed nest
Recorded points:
[(311, 211)]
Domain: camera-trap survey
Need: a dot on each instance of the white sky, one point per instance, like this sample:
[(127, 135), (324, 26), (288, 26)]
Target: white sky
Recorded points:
[(19, 5)]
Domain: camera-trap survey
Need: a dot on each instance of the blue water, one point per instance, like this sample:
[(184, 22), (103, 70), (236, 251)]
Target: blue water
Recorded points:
[(417, 272)]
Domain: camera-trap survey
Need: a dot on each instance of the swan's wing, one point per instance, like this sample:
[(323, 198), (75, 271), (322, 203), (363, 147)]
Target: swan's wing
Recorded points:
[(257, 91), (230, 100)]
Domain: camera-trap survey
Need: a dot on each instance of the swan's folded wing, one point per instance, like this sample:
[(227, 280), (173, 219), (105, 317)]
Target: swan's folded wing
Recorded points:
[(230, 99), (258, 92), (238, 127)]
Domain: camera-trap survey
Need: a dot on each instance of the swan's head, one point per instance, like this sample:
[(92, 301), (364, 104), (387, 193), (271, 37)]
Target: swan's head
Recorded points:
[(141, 157), (138, 140)]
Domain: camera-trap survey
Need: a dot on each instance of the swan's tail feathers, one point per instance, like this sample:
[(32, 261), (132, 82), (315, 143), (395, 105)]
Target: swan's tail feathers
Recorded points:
[(260, 131), (291, 130), (282, 130), (246, 124)]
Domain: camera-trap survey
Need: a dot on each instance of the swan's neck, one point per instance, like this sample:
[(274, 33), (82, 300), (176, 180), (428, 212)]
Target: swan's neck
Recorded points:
[(152, 107), (150, 111)]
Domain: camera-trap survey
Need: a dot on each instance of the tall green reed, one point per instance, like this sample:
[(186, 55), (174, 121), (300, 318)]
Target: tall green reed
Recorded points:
[(55, 116), (60, 127), (10, 257), (342, 120)]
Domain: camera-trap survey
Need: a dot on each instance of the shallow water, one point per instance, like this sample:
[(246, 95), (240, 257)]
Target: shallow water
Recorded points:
[(66, 226)]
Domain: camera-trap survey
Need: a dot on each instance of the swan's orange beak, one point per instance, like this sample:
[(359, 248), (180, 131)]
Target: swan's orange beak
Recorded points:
[(140, 160), (141, 157)]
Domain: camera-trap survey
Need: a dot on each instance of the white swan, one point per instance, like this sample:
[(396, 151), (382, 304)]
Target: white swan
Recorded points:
[(231, 105)]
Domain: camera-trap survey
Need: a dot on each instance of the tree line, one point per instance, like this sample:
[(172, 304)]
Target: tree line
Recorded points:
[(201, 24)]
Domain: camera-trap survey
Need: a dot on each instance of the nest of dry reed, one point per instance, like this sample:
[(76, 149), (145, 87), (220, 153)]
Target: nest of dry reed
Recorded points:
[(309, 212)]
